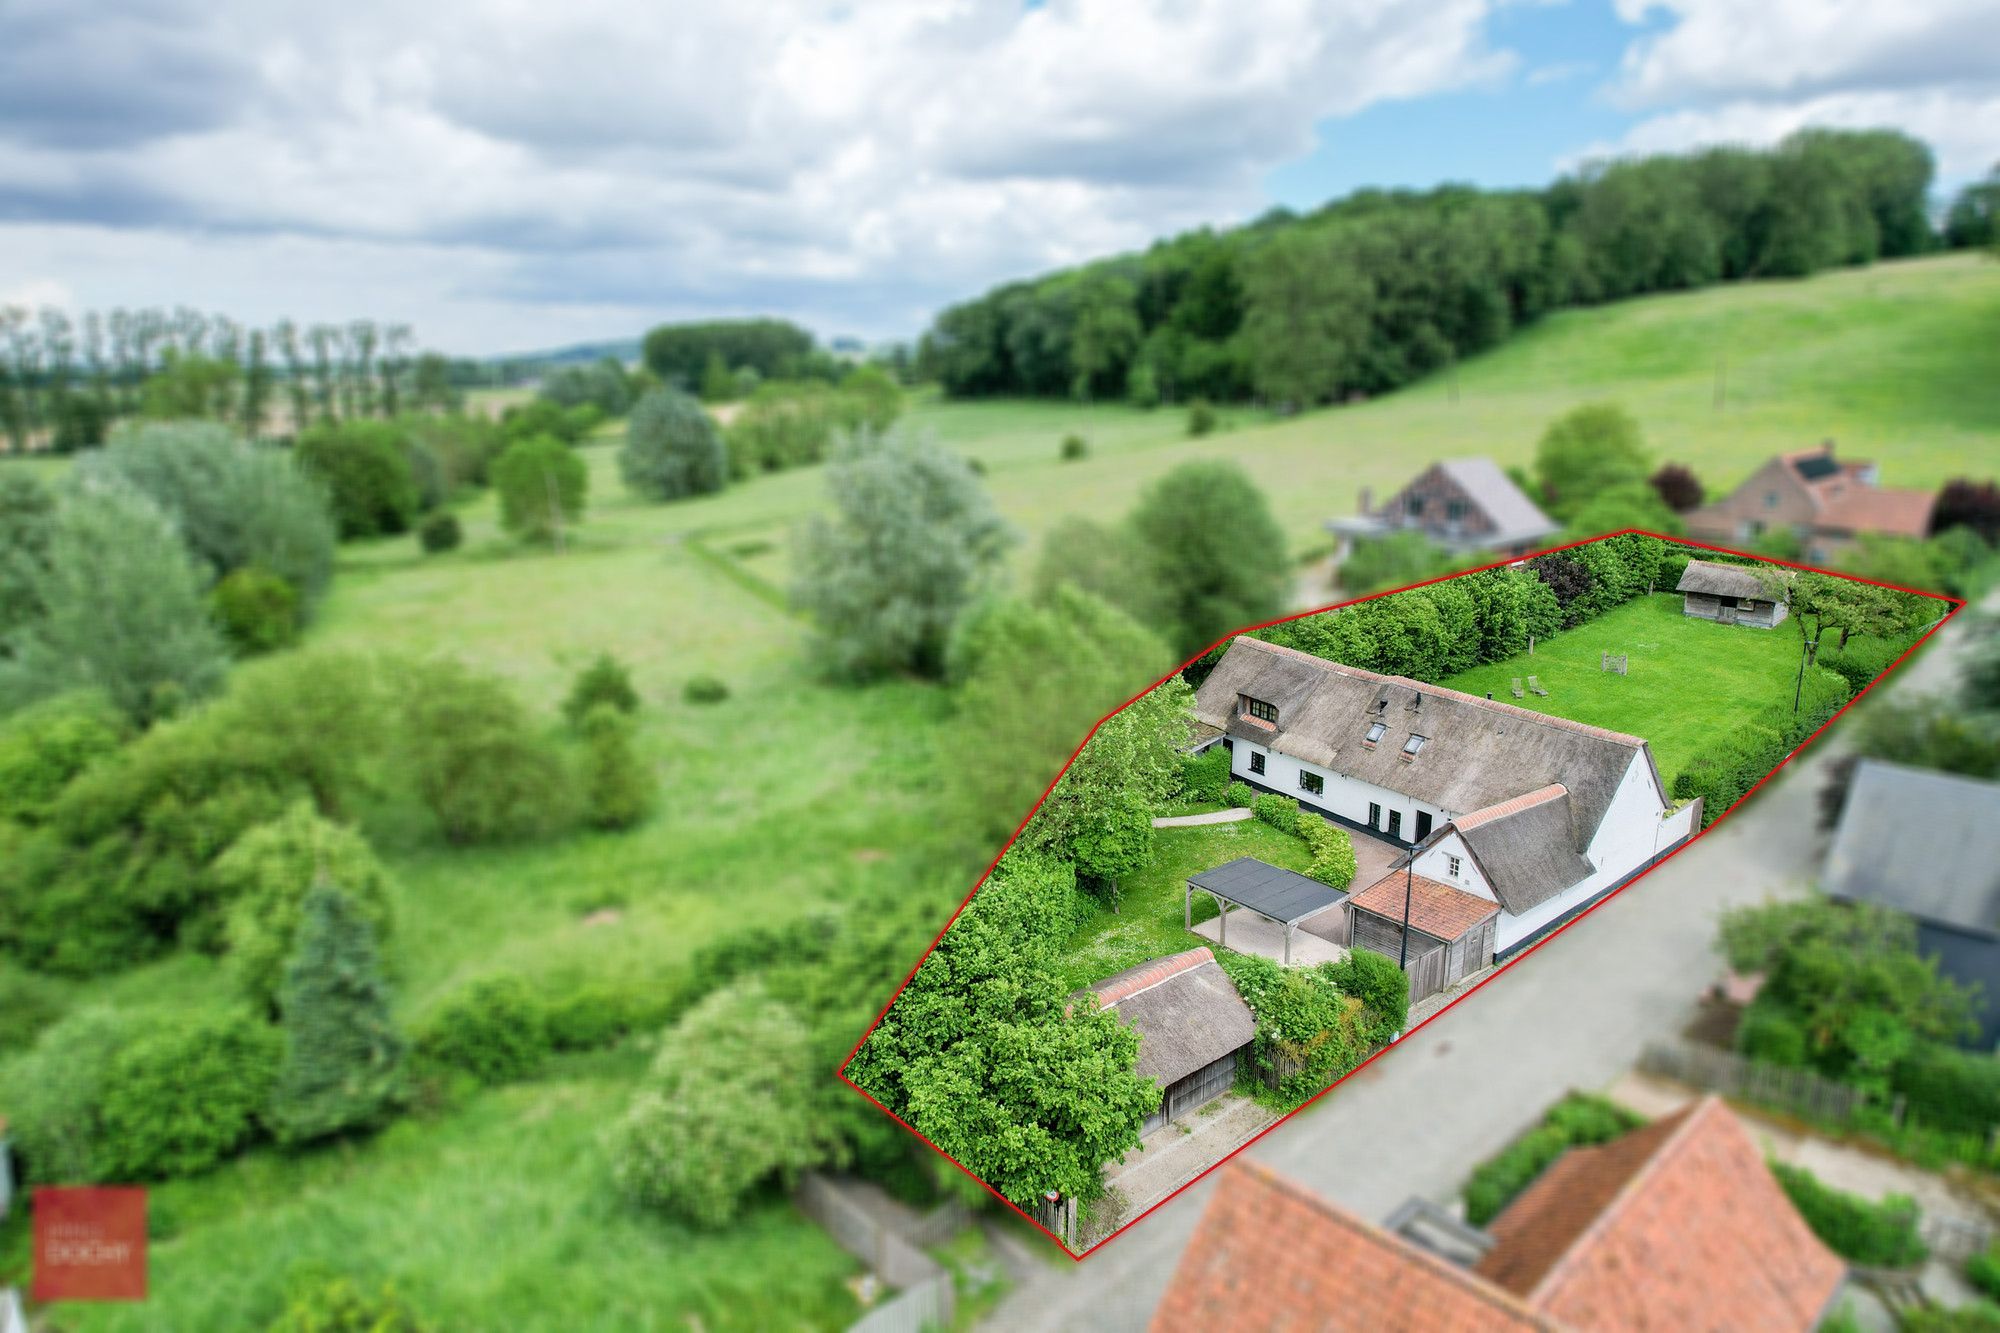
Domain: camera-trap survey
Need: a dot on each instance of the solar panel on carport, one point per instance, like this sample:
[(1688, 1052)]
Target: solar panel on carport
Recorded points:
[(1268, 890)]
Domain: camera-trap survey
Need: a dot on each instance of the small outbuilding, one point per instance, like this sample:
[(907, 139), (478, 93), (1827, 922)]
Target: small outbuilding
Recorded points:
[(1192, 1026), (1731, 595), (1450, 932)]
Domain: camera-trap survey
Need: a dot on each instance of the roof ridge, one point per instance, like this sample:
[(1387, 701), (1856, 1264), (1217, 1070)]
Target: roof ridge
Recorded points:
[(1463, 1278), (1695, 1113), (1511, 710), (1152, 974), (1513, 805)]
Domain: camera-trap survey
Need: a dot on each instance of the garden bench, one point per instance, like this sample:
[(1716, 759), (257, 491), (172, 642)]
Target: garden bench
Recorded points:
[(1517, 687)]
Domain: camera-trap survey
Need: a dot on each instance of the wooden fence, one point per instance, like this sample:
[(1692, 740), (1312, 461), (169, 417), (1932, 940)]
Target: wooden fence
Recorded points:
[(1780, 1086), (926, 1294)]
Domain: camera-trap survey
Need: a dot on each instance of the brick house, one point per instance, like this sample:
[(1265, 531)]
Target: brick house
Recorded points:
[(1825, 502), (1462, 504)]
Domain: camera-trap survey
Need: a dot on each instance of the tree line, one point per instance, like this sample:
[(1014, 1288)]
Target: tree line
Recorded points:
[(1380, 287), (64, 379)]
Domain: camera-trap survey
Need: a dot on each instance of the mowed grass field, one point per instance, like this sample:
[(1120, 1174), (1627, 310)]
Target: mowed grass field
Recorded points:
[(1897, 362), (1690, 682)]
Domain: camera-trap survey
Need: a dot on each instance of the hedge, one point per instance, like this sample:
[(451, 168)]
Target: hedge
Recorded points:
[(1578, 1120), (1950, 1089), (1726, 774), (1308, 1032), (1881, 1235), (1280, 812), (1240, 795), (1205, 776)]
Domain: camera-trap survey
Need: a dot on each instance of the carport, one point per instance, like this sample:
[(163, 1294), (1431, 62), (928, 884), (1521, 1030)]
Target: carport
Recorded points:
[(1281, 895)]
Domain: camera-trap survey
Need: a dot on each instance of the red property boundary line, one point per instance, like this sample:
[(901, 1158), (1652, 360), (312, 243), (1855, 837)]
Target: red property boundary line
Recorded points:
[(1956, 604)]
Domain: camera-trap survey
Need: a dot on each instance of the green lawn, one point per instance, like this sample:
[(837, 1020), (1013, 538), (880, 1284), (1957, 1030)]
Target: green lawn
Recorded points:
[(1692, 682), (1148, 922)]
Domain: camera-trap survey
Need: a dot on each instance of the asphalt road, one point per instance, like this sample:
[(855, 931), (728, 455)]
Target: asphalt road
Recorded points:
[(1574, 1013)]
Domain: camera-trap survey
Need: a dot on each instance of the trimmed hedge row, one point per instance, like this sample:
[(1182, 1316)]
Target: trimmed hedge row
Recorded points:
[(1724, 776), (1881, 1235)]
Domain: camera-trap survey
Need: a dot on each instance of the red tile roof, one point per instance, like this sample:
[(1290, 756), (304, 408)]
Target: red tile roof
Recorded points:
[(1871, 509), (1126, 984), (1553, 792), (1677, 1225), (1436, 908), (1270, 1254)]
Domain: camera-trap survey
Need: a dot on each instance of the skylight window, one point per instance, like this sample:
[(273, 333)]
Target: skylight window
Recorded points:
[(1375, 733), (1412, 745)]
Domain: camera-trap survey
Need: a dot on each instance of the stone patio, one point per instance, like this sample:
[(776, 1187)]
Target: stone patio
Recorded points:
[(1251, 933)]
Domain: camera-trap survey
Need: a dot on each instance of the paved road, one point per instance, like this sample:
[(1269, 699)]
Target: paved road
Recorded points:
[(1572, 1014)]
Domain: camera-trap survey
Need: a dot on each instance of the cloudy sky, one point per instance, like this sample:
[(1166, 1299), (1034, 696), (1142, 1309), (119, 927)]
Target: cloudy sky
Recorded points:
[(507, 175)]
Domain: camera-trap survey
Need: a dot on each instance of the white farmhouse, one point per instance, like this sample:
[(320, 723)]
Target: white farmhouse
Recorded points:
[(1495, 806)]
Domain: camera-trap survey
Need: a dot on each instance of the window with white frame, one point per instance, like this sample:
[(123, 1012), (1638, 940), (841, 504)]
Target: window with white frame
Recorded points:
[(1375, 733), (1454, 867), (1413, 745)]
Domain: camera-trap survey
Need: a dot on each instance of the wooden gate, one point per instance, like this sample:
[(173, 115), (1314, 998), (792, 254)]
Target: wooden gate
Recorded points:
[(1427, 974)]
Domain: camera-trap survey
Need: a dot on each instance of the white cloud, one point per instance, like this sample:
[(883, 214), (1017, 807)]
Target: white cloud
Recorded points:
[(853, 163)]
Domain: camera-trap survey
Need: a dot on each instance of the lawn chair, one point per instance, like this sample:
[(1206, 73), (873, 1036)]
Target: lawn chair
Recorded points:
[(1517, 687), (1535, 687)]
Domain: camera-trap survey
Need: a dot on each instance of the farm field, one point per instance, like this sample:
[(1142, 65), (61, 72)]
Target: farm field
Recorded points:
[(1689, 680)]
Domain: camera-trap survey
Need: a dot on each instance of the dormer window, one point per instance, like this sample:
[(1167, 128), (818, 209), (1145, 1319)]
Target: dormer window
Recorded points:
[(1258, 708), (1375, 733), (1413, 745)]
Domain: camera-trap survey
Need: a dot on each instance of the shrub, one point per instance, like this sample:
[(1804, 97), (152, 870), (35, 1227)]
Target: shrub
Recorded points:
[(710, 1125), (1771, 1033), (45, 747), (464, 446), (1983, 1270), (1382, 987), (599, 1015), (1201, 417), (704, 690), (538, 417), (1280, 812), (335, 1304), (1206, 775), (1579, 1119), (1880, 1235), (1975, 1317), (494, 1029), (367, 474), (1241, 795), (267, 875), (604, 681), (618, 786), (440, 532), (55, 1094), (343, 1059), (1861, 661), (122, 610), (1074, 447), (1308, 1032), (542, 486), (1333, 862), (672, 448), (1950, 1089), (258, 611), (181, 1096), (28, 1004), (481, 767)]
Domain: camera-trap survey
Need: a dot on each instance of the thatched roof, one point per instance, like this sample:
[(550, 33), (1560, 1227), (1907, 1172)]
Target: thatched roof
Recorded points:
[(1184, 1008), (1478, 752), (1717, 580), (1526, 847)]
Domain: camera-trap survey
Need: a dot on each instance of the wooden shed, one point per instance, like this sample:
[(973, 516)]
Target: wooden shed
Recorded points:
[(1450, 931), (1192, 1028), (1731, 595)]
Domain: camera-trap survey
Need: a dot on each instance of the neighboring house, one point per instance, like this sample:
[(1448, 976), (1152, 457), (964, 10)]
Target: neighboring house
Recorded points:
[(1731, 595), (1676, 1225), (1192, 1027), (1463, 504), (1537, 815), (1823, 501), (1925, 843)]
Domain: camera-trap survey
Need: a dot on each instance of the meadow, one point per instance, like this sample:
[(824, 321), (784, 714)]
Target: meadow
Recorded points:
[(496, 1210)]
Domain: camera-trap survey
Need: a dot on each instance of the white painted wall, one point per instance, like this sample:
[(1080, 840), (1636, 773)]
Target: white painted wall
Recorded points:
[(1435, 863), (1345, 796)]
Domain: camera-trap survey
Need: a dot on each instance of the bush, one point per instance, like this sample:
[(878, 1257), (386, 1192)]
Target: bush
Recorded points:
[(1950, 1089), (710, 1125), (1580, 1119), (258, 611), (343, 1059), (1240, 795), (464, 446), (1280, 812), (604, 681), (1333, 862), (1382, 987), (367, 474), (1772, 1034), (1976, 1317), (1880, 1235), (1074, 447), (618, 787), (704, 690), (342, 1305), (672, 448), (45, 747), (1205, 776), (1308, 1032), (440, 532), (181, 1096), (542, 486), (494, 1029), (600, 1015), (1201, 417), (55, 1092), (267, 874), (28, 1004), (481, 766), (1983, 1271), (1861, 661)]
